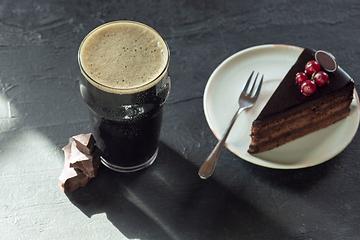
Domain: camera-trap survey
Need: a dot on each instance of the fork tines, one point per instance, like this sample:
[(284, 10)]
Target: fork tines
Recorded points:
[(257, 91)]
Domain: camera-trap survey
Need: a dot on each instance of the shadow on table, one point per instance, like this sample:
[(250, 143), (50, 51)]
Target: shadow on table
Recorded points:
[(292, 180), (169, 201)]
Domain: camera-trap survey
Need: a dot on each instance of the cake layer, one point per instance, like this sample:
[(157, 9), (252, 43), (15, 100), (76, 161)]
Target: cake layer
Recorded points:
[(300, 117), (286, 137), (301, 121)]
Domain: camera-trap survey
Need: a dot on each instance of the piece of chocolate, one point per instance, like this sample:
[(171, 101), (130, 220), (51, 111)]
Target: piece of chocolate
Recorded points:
[(326, 60), (82, 161), (85, 143), (71, 178)]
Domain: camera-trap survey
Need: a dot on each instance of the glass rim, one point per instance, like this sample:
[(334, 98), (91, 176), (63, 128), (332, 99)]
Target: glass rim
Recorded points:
[(128, 89)]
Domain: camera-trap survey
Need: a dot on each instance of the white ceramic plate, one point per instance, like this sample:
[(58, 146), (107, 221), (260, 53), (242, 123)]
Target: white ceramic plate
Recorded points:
[(221, 102)]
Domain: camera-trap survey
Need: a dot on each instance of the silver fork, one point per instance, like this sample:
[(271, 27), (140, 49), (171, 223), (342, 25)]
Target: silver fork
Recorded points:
[(246, 100)]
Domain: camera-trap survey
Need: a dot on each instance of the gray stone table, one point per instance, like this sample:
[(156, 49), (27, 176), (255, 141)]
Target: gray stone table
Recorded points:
[(40, 108)]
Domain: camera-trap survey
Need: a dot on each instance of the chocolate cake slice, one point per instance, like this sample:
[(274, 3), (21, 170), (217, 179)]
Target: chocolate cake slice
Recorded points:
[(289, 114)]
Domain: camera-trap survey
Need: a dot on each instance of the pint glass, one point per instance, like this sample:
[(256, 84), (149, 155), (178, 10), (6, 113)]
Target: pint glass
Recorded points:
[(125, 83)]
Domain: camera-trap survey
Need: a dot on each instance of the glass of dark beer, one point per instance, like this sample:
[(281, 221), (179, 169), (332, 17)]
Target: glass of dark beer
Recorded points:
[(125, 83)]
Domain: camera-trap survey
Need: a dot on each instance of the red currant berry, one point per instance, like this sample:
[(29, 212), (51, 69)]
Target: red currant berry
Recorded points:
[(321, 78), (301, 77), (312, 67), (308, 88)]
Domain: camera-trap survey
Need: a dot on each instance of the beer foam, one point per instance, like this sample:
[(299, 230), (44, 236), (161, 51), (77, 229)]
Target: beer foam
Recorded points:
[(123, 56)]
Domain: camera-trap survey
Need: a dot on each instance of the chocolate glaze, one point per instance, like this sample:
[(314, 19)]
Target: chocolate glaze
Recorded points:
[(288, 94)]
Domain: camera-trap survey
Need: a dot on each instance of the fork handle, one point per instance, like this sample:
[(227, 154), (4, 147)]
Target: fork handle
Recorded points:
[(208, 167)]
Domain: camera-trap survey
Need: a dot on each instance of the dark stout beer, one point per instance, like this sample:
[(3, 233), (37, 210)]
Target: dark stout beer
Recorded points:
[(125, 84)]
